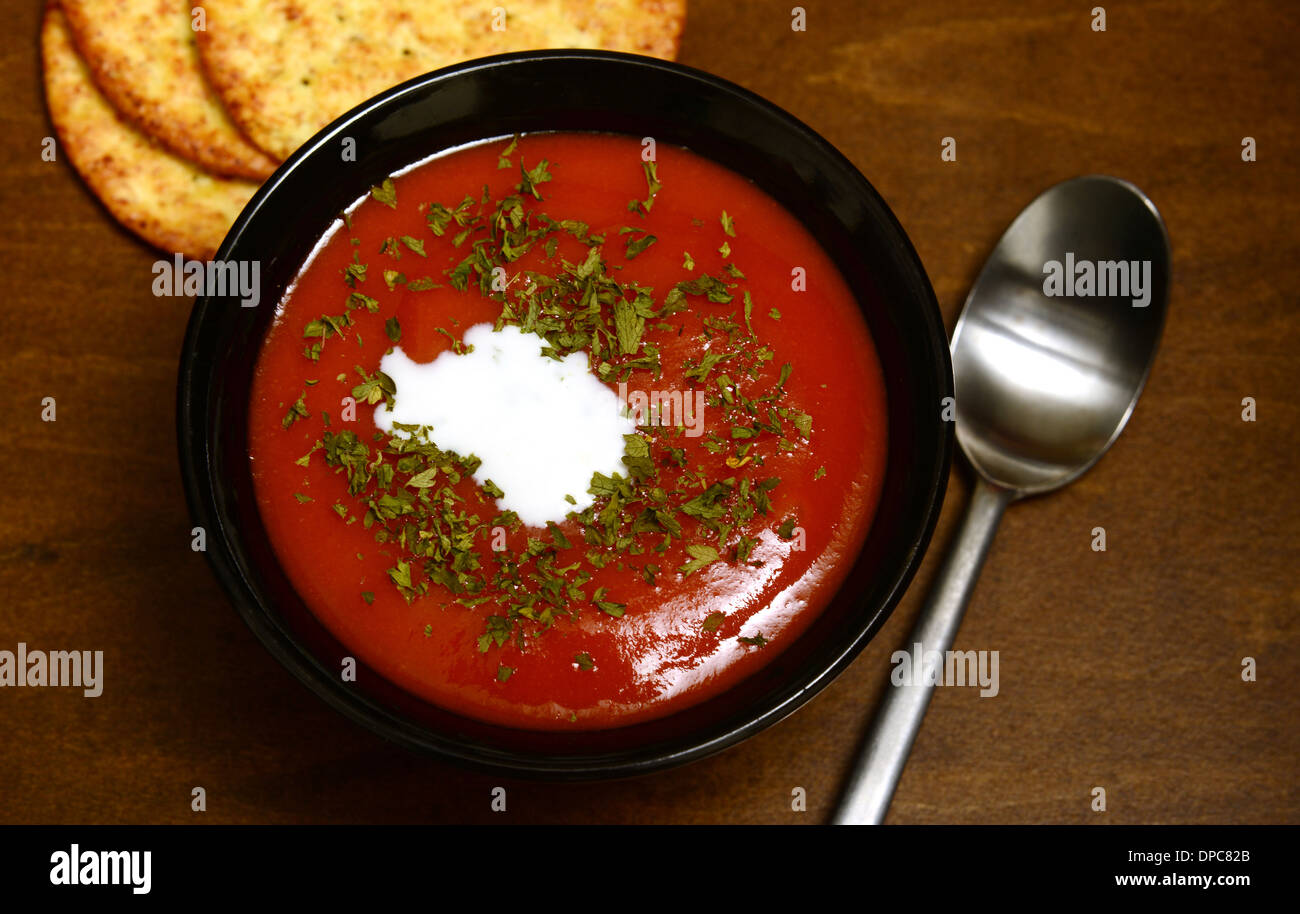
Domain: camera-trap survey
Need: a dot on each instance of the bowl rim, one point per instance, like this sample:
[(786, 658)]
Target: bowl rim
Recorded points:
[(194, 446)]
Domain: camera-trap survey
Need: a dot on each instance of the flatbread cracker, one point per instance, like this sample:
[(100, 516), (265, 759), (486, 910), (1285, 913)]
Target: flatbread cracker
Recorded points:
[(166, 200), (144, 57), (286, 68)]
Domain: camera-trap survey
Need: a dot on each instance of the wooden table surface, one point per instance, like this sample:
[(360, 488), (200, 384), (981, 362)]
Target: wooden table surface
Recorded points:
[(1119, 669)]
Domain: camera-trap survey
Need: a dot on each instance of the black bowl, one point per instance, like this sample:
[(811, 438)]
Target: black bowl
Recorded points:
[(586, 91)]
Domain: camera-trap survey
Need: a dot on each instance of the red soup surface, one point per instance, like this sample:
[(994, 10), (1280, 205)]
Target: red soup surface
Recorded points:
[(709, 554)]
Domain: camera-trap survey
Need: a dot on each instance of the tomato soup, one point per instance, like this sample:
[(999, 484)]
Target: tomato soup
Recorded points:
[(551, 274)]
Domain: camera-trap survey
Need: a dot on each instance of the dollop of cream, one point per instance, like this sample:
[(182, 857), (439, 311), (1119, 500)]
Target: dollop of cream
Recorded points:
[(540, 426)]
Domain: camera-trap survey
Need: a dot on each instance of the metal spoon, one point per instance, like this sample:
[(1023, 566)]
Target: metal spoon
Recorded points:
[(1044, 385)]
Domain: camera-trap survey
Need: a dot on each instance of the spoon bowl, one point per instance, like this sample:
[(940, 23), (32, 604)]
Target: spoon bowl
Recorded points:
[(1045, 384)]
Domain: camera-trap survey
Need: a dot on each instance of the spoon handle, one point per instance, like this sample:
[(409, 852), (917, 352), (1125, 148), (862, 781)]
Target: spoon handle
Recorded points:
[(889, 740)]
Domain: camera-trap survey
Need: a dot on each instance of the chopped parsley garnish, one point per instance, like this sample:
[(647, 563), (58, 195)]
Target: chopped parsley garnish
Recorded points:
[(653, 187), (701, 557), (297, 411), (503, 160), (385, 194), (637, 245), (531, 178), (660, 514)]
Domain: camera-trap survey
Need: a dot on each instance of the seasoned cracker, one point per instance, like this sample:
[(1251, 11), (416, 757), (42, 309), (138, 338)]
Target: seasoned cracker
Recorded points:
[(164, 199), (286, 68), (144, 57)]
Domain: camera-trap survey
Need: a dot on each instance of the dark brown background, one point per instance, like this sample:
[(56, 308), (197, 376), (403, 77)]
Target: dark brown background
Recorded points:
[(1118, 669)]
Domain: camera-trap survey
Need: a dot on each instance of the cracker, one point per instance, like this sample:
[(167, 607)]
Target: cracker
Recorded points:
[(164, 199), (286, 68), (144, 57)]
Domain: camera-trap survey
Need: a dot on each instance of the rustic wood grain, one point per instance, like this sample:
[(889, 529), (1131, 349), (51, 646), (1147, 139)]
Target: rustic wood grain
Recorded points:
[(1118, 669)]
